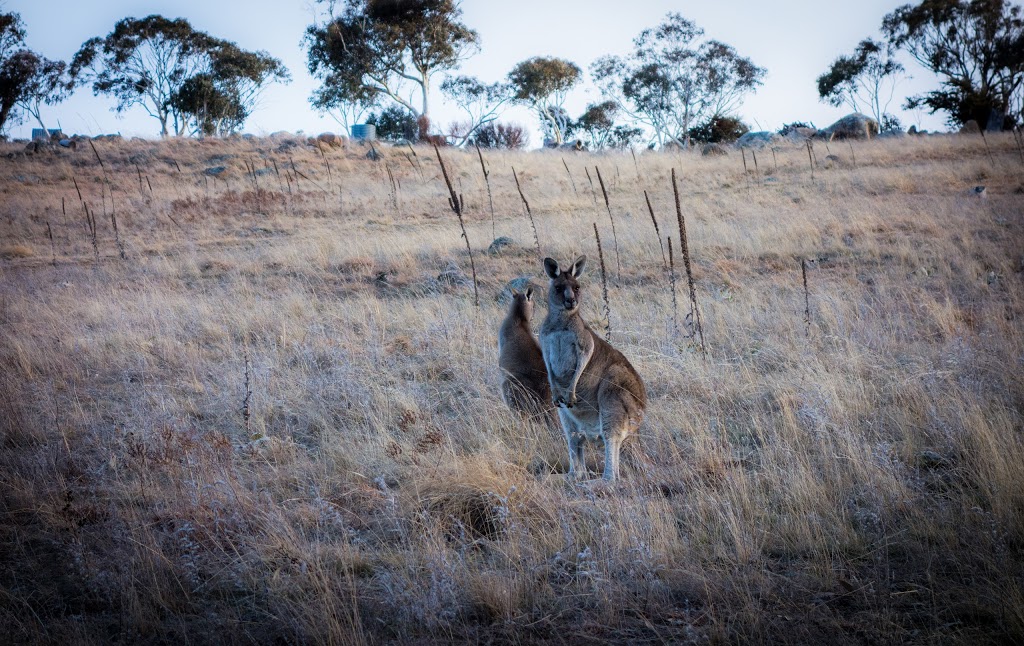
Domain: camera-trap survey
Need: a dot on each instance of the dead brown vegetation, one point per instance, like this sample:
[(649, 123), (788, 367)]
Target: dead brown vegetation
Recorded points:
[(860, 482)]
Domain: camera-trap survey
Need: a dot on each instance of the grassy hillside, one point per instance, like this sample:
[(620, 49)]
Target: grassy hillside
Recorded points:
[(266, 408)]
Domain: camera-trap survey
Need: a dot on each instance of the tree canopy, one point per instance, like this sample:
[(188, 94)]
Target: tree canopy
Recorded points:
[(172, 70), (676, 78), (27, 79), (865, 81), (543, 84), (374, 49), (976, 47), (482, 103)]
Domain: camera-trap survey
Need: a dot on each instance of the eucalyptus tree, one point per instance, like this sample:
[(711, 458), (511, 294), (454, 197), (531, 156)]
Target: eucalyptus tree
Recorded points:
[(676, 78), (27, 80), (376, 50), (482, 103), (155, 62), (543, 83), (976, 47), (865, 81)]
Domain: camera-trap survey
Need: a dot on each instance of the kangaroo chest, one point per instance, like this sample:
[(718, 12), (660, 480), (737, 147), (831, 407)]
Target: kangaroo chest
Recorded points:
[(561, 351)]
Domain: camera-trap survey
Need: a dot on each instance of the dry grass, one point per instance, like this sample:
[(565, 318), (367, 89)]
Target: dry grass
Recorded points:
[(864, 483)]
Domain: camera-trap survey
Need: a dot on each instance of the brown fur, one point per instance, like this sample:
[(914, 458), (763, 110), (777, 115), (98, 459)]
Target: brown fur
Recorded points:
[(598, 391), (524, 379)]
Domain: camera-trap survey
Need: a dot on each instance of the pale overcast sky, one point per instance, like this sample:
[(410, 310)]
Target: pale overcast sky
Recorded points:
[(794, 39)]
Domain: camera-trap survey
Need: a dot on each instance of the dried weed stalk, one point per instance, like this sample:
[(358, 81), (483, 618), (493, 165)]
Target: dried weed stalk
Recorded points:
[(684, 246), (456, 203), (604, 288)]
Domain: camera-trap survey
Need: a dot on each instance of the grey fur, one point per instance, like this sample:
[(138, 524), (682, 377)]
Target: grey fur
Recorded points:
[(524, 379), (597, 390)]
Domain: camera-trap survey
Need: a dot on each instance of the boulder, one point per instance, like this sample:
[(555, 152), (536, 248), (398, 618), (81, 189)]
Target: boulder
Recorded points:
[(713, 150), (834, 161), (453, 276), (518, 284), (500, 243), (373, 154), (758, 139), (68, 143), (215, 171), (852, 126), (574, 145), (331, 139)]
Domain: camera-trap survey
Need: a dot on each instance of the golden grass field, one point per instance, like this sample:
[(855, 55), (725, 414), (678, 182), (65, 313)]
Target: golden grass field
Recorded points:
[(271, 421)]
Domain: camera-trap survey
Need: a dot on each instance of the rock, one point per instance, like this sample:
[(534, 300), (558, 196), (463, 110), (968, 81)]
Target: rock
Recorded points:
[(852, 126), (287, 145), (713, 150), (281, 134), (331, 139), (758, 139), (68, 143), (373, 155), (931, 460), (453, 276), (501, 242), (834, 161), (215, 171), (971, 127), (518, 284)]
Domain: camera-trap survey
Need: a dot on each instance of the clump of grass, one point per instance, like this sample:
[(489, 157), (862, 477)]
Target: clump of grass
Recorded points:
[(17, 251)]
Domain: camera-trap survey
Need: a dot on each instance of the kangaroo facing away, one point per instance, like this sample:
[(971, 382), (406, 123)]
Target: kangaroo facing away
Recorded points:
[(597, 390), (524, 383)]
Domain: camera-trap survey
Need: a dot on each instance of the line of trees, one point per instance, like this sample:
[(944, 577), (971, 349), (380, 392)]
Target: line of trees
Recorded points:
[(975, 47), (190, 82), (377, 61)]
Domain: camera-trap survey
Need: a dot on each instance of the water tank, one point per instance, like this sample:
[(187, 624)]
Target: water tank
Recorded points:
[(364, 132)]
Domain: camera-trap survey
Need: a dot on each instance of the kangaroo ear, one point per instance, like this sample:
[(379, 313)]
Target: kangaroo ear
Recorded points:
[(529, 293), (515, 292), (551, 268), (577, 267)]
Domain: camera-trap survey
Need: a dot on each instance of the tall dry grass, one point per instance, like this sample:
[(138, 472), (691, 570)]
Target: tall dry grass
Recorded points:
[(863, 483)]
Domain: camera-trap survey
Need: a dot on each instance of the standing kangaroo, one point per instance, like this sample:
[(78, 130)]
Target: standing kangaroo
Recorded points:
[(524, 383), (597, 390)]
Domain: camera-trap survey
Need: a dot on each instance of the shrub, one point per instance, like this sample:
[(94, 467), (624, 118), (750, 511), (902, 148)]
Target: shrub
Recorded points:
[(719, 130), (501, 135), (395, 124)]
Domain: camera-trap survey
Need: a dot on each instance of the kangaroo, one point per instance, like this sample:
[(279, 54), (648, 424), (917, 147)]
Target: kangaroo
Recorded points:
[(524, 383), (597, 390)]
